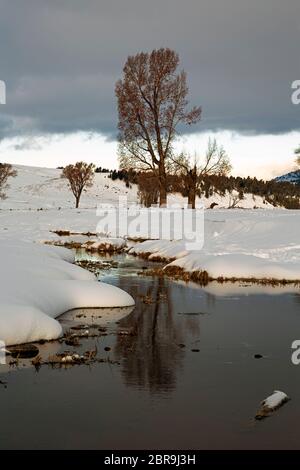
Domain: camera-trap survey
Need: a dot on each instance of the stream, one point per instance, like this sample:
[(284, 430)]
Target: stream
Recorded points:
[(182, 371)]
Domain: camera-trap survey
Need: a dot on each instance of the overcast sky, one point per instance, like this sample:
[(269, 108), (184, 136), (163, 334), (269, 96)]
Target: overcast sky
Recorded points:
[(60, 60)]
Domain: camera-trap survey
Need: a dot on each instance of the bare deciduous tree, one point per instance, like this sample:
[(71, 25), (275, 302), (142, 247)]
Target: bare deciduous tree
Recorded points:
[(193, 170), (80, 177), (152, 102), (6, 171)]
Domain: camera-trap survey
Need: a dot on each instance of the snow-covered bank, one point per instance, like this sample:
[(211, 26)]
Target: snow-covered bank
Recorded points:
[(238, 244), (39, 283), (92, 243), (240, 266), (264, 243)]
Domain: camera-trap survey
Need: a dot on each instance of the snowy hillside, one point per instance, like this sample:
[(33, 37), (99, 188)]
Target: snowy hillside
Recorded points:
[(292, 177), (36, 188)]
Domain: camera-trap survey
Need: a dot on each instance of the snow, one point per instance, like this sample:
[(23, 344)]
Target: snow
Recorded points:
[(102, 243), (238, 243), (163, 249), (243, 244), (240, 266), (292, 177), (250, 201), (271, 403), (89, 242), (275, 400), (36, 188), (39, 283)]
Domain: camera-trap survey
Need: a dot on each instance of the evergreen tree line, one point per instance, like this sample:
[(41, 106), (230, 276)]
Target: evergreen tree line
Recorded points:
[(277, 193)]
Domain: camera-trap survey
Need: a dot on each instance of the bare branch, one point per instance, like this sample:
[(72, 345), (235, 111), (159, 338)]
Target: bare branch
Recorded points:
[(152, 102), (6, 172)]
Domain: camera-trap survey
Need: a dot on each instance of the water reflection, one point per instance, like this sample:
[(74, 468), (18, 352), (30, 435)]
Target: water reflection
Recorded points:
[(168, 321), (152, 355), (89, 316)]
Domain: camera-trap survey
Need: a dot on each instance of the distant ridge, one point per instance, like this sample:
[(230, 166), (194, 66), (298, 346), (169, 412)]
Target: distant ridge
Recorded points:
[(292, 177)]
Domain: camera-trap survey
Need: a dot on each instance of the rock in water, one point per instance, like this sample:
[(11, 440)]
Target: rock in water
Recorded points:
[(271, 403)]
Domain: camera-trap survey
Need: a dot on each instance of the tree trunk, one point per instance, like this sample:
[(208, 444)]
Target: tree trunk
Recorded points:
[(162, 197), (78, 196), (162, 186), (192, 198), (192, 188)]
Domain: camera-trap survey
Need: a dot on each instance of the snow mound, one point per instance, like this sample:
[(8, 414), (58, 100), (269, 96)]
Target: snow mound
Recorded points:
[(39, 283), (105, 244), (239, 266), (22, 324), (162, 249), (240, 244)]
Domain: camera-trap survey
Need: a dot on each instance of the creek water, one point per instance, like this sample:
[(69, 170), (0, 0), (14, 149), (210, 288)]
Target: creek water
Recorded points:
[(186, 375)]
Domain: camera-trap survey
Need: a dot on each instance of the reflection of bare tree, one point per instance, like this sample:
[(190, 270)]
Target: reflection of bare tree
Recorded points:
[(153, 355)]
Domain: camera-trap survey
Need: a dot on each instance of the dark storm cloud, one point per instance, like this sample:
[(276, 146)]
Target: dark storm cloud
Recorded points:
[(60, 60)]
